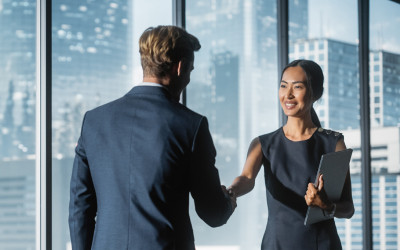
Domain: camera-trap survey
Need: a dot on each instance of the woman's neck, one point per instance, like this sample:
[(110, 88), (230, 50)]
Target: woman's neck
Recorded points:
[(298, 129)]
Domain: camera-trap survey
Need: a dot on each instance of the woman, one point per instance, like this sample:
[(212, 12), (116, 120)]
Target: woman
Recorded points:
[(290, 156)]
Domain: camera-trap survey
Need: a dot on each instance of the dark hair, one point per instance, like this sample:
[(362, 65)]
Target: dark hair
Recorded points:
[(314, 82), (162, 46)]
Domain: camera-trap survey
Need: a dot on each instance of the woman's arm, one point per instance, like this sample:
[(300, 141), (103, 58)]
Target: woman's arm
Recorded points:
[(245, 182), (317, 197), (345, 207)]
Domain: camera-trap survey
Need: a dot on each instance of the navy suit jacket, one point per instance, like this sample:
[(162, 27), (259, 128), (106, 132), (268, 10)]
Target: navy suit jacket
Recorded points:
[(136, 161)]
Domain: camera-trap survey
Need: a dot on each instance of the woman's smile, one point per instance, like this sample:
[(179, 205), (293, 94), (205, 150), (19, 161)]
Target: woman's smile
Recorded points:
[(290, 105), (293, 92)]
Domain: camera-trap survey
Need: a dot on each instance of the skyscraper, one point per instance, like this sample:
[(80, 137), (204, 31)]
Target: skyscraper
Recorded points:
[(17, 204), (385, 88)]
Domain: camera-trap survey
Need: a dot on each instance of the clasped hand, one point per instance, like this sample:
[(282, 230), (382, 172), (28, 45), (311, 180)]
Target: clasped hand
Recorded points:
[(232, 196), (316, 196)]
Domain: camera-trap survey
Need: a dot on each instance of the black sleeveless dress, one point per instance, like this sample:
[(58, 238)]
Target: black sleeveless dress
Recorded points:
[(288, 167)]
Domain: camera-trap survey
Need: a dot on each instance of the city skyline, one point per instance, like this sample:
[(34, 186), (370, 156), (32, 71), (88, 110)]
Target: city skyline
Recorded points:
[(234, 84)]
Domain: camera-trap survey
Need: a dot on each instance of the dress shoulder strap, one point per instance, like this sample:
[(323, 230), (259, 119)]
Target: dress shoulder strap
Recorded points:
[(331, 137)]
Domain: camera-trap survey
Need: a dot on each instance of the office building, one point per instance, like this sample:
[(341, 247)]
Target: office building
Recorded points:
[(384, 88), (17, 204), (385, 216), (339, 106), (385, 163)]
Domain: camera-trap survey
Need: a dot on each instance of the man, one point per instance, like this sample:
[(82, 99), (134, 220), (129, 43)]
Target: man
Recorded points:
[(139, 156)]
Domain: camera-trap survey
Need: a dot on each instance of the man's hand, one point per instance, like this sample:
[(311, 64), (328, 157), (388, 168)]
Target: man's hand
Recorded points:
[(231, 195)]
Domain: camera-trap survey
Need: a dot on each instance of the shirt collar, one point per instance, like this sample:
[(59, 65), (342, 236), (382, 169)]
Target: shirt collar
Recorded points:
[(152, 84)]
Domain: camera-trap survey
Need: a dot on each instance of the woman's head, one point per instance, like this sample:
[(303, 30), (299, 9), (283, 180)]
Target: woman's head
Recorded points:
[(301, 85), (314, 77)]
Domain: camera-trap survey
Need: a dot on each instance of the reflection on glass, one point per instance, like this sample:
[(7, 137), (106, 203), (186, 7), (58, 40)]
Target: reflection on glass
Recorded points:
[(91, 65), (332, 43), (94, 61), (17, 124), (385, 122)]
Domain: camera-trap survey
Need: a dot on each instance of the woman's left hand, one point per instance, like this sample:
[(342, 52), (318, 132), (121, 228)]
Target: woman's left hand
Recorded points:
[(317, 196)]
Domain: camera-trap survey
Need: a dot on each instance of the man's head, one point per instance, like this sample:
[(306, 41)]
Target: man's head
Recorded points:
[(166, 51)]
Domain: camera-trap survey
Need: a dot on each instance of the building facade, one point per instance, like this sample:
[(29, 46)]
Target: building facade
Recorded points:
[(384, 88)]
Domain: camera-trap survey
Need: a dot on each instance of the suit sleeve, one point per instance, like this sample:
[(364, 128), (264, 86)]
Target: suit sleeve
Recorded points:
[(212, 205), (82, 206)]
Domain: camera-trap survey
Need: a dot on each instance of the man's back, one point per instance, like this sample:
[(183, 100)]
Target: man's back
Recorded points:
[(137, 159)]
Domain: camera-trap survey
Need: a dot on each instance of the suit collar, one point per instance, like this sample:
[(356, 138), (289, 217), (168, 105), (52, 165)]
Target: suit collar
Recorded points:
[(150, 90)]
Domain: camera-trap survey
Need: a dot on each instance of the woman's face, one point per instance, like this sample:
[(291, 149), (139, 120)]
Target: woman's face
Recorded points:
[(293, 94)]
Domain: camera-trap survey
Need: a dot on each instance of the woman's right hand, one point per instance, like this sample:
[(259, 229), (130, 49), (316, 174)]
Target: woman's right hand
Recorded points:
[(245, 182)]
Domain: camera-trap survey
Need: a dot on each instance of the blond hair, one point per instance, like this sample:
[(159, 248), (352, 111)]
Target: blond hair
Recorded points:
[(162, 46)]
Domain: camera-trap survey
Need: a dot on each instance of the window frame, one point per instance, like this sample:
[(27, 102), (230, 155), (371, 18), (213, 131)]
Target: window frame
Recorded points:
[(43, 125)]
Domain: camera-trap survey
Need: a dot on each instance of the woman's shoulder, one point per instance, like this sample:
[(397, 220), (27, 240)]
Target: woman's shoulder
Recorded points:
[(328, 133), (329, 138), (268, 139), (270, 135)]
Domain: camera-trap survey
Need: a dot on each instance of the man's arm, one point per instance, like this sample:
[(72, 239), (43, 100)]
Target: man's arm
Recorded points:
[(212, 204), (82, 206)]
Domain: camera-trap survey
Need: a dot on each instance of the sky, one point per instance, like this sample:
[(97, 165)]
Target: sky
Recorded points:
[(339, 20), (148, 16)]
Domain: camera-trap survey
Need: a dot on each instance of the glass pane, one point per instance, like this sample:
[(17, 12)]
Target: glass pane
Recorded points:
[(332, 42), (235, 84), (385, 122), (95, 60), (17, 124)]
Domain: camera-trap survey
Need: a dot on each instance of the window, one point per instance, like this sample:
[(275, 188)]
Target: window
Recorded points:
[(382, 12), (301, 48), (339, 54), (311, 47), (95, 60), (17, 124), (321, 45), (238, 54)]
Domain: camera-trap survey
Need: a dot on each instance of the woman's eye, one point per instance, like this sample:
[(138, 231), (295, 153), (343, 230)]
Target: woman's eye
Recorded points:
[(283, 86)]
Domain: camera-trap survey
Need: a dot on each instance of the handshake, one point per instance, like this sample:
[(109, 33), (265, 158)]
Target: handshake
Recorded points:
[(232, 196)]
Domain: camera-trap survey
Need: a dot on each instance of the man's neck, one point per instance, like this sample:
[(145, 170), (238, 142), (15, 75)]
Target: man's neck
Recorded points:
[(162, 81)]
